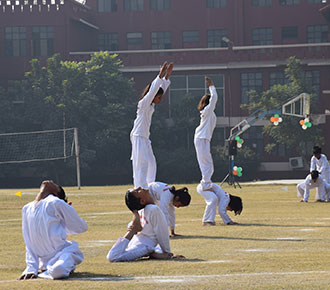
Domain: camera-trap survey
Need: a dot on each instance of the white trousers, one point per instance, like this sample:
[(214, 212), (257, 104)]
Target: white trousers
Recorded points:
[(326, 177), (63, 263), (217, 197), (303, 191), (143, 162), (205, 161), (124, 250)]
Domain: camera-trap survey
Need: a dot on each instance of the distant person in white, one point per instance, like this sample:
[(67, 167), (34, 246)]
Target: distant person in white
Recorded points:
[(46, 221), (167, 197), (312, 181), (320, 163), (217, 197), (143, 159), (147, 230), (203, 134)]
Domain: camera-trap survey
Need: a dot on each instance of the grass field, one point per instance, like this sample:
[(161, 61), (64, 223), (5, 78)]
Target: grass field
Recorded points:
[(279, 244)]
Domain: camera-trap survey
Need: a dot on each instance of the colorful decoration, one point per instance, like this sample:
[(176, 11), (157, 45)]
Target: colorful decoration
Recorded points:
[(305, 123), (239, 141), (276, 119), (237, 171)]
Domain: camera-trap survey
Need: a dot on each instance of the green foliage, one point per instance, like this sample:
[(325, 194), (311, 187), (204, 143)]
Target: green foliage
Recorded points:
[(289, 132), (91, 95)]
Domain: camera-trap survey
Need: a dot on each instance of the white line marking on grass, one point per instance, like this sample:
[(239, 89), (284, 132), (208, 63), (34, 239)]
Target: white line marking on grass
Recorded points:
[(193, 278), (97, 243), (182, 278), (105, 213), (305, 230), (258, 250), (288, 239)]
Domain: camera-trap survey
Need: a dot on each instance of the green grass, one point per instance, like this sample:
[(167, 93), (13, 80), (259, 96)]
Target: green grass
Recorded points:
[(279, 244)]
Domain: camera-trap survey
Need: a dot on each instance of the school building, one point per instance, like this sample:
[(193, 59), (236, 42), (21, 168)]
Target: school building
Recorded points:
[(241, 44)]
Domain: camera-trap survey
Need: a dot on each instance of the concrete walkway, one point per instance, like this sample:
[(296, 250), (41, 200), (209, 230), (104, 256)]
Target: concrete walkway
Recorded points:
[(281, 181)]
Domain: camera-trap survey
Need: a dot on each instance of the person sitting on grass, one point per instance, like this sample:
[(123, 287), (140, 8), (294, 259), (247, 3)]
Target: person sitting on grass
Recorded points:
[(46, 222), (312, 181), (216, 196), (168, 197), (147, 230)]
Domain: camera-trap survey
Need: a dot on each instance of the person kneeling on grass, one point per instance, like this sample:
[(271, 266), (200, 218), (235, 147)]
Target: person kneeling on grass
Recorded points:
[(216, 196), (46, 221), (168, 197), (147, 229), (312, 181)]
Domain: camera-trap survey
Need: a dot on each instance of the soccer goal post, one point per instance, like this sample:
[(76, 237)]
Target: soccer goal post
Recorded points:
[(40, 146)]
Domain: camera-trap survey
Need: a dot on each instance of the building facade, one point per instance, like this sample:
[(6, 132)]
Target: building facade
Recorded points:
[(241, 44)]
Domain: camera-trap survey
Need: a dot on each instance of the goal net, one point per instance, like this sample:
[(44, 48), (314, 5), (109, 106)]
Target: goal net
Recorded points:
[(40, 146)]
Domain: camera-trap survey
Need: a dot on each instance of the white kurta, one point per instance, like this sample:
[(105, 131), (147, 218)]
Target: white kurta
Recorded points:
[(202, 139), (162, 195), (218, 198), (322, 166), (143, 159), (45, 226), (303, 188), (144, 243)]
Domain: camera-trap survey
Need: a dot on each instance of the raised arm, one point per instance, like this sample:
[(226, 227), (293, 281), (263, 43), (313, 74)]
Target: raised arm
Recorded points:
[(214, 96), (154, 87), (73, 223)]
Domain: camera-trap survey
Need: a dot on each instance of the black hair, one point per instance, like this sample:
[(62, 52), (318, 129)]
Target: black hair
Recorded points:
[(146, 90), (132, 202), (314, 174), (317, 150), (61, 194), (183, 194), (235, 204)]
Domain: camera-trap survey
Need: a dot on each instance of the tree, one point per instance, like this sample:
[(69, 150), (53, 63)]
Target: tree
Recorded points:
[(91, 95), (289, 132)]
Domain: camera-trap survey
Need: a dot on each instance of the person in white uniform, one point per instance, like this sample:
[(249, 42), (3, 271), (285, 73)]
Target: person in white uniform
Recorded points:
[(167, 198), (320, 163), (143, 159), (312, 181), (147, 230), (203, 134), (217, 197), (46, 222)]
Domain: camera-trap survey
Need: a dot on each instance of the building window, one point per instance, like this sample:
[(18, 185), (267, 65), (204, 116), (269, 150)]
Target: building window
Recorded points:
[(312, 79), (160, 40), (107, 5), (262, 2), (134, 38), (42, 41), (289, 32), (15, 41), (159, 4), (214, 38), (317, 33), (262, 36), (195, 86), (315, 1), (278, 78), (133, 5), (250, 81), (289, 2), (216, 3), (190, 36), (108, 41)]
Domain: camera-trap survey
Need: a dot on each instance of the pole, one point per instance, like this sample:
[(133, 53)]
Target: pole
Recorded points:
[(77, 156)]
